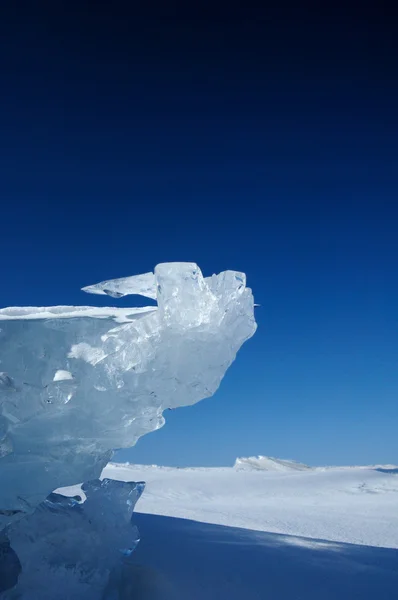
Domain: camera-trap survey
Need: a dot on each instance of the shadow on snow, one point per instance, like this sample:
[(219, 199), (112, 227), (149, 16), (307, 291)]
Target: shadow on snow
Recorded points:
[(178, 559)]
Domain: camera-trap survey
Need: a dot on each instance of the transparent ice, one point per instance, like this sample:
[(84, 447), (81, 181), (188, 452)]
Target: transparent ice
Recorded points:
[(69, 548), (78, 382)]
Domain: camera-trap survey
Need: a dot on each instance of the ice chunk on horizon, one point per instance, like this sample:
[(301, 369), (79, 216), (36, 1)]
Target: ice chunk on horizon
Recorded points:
[(56, 431)]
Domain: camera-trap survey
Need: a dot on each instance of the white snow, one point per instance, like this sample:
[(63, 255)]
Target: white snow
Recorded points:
[(357, 505), (28, 313), (327, 533), (268, 463)]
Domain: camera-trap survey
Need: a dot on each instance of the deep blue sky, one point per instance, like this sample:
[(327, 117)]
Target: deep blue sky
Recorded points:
[(265, 143)]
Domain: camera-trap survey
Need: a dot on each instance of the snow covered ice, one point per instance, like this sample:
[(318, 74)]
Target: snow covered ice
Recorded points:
[(222, 533), (356, 505), (78, 382)]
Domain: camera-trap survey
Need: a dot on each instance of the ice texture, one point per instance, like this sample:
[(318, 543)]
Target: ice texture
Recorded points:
[(141, 285), (78, 382), (70, 548)]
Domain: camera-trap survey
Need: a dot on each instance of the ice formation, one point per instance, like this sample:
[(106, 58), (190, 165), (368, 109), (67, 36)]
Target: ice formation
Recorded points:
[(78, 382), (70, 548), (142, 285)]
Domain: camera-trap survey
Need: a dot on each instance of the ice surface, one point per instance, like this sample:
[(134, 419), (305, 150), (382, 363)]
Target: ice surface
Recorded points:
[(268, 463), (68, 548), (78, 382), (227, 534), (356, 505)]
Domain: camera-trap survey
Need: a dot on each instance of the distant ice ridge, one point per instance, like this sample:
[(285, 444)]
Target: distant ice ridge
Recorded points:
[(69, 548), (78, 382), (268, 463)]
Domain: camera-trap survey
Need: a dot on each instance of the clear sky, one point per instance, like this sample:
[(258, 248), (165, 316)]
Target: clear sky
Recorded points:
[(265, 143)]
